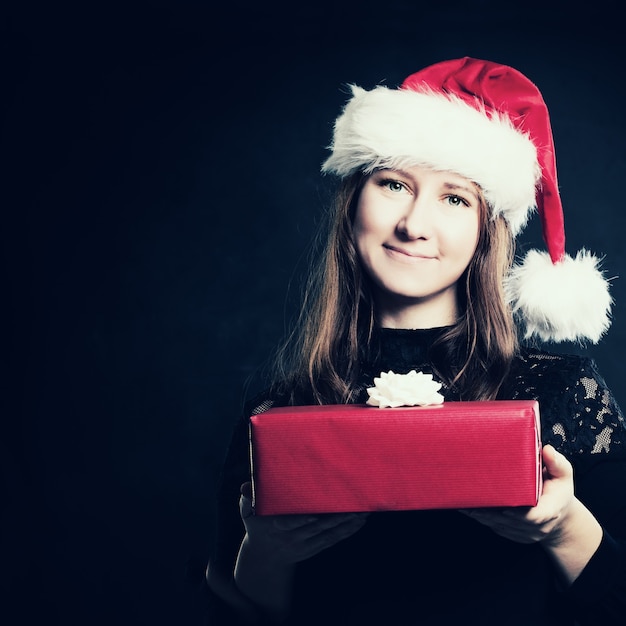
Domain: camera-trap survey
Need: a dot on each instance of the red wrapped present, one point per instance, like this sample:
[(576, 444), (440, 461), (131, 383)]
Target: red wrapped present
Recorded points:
[(342, 458)]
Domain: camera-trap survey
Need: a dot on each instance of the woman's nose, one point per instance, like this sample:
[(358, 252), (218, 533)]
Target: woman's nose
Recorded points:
[(416, 223)]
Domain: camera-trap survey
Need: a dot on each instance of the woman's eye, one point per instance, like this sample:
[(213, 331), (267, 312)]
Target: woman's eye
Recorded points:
[(457, 201), (393, 185)]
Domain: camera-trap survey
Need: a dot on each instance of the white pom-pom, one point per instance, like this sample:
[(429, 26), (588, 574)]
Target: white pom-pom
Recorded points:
[(412, 389), (566, 301)]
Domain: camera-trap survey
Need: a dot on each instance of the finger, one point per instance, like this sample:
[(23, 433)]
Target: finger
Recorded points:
[(485, 512), (556, 465), (314, 523), (517, 535), (342, 527), (245, 500), (522, 519), (329, 536), (245, 507), (246, 489), (293, 522), (513, 528)]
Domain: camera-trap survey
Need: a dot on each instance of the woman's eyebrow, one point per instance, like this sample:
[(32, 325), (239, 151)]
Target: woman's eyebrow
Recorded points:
[(393, 171), (454, 187)]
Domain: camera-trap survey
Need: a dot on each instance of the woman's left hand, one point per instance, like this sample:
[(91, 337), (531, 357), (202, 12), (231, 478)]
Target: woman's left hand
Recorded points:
[(567, 530), (544, 521)]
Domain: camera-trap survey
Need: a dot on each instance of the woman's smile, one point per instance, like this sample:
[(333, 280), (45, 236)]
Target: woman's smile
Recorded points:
[(407, 256)]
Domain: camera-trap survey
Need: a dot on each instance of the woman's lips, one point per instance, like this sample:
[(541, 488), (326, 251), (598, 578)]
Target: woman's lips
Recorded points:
[(407, 256)]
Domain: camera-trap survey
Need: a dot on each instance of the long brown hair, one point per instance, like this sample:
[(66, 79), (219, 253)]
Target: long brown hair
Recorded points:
[(321, 355)]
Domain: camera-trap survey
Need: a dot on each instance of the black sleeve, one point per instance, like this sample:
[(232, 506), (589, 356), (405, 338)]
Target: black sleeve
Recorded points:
[(229, 529), (598, 596)]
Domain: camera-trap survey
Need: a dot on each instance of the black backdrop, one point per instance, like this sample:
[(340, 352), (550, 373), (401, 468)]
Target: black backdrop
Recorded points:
[(160, 189)]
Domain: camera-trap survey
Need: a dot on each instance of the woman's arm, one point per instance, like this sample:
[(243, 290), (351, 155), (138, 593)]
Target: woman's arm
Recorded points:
[(568, 532), (240, 609), (264, 581)]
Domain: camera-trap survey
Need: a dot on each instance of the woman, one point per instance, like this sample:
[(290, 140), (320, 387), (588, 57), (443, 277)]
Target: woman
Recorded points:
[(438, 177)]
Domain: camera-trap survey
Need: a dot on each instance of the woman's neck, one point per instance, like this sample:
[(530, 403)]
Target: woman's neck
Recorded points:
[(427, 313)]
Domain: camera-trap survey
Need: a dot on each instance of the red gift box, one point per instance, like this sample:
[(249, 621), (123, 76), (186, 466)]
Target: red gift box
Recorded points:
[(342, 458)]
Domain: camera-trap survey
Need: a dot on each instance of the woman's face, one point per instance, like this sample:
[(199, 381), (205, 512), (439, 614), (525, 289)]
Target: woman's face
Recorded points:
[(416, 231)]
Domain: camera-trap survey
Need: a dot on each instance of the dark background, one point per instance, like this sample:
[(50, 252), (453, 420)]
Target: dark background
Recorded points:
[(160, 189)]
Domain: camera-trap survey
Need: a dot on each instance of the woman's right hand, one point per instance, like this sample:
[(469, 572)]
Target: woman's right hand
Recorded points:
[(289, 539), (273, 544)]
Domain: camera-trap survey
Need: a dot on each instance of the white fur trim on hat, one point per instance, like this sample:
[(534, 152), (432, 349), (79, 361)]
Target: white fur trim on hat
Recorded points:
[(395, 128), (565, 301)]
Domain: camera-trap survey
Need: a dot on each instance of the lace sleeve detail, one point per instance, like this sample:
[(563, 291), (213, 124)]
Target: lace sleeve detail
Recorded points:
[(599, 422), (579, 414), (262, 406)]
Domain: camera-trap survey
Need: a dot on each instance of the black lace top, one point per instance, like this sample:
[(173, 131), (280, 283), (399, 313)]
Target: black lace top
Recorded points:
[(441, 567)]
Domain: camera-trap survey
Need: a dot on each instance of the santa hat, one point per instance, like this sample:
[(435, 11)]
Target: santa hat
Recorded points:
[(490, 124)]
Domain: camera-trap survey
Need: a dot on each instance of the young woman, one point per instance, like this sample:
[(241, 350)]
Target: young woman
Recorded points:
[(437, 178)]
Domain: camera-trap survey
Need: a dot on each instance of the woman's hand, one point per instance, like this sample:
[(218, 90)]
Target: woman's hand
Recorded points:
[(563, 525), (273, 544), (289, 539), (543, 521)]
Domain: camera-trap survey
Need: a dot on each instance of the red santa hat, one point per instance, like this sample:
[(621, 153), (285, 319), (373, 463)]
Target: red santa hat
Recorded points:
[(490, 124)]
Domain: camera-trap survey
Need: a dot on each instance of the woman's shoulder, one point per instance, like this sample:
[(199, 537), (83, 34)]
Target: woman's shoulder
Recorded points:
[(537, 358), (544, 371), (554, 369), (259, 403), (275, 395), (579, 411)]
